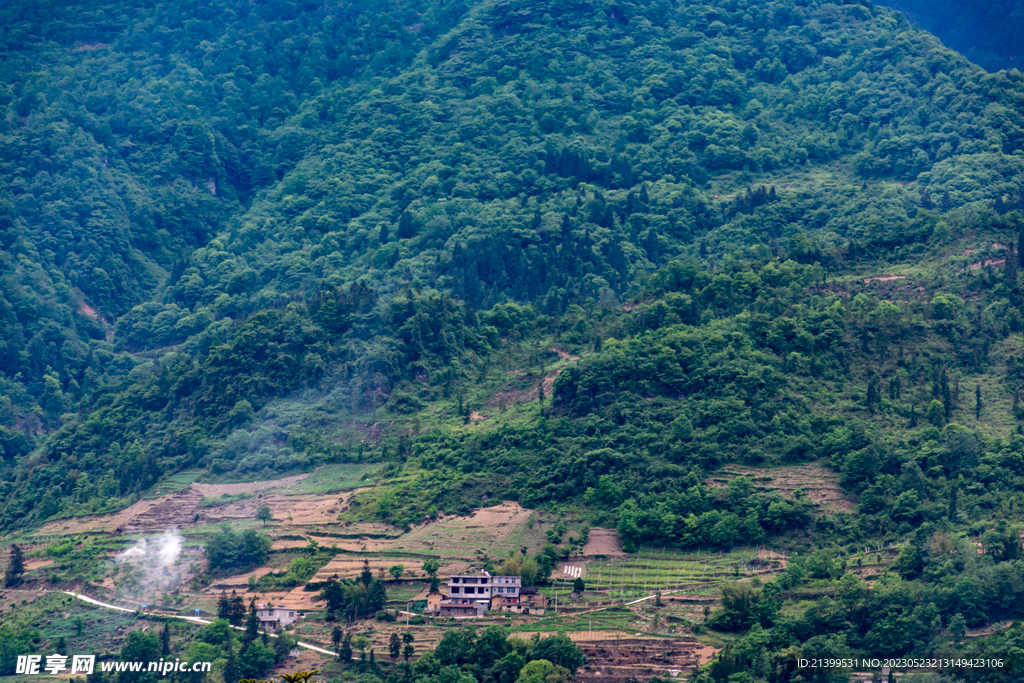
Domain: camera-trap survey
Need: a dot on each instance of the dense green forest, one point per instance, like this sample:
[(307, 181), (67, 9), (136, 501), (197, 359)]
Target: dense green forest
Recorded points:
[(251, 238), (658, 133), (987, 33)]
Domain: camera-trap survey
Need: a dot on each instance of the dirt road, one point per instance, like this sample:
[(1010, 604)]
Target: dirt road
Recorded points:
[(194, 620)]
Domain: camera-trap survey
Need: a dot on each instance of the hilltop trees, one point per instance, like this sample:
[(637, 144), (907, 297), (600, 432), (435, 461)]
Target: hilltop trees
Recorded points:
[(237, 549), (231, 609), (360, 598)]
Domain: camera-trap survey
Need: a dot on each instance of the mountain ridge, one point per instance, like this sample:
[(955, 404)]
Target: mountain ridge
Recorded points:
[(488, 173)]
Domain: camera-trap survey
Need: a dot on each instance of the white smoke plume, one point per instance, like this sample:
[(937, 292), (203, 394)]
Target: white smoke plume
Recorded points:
[(150, 565), (163, 551)]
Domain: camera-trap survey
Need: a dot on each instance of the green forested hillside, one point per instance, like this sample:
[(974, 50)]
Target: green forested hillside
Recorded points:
[(987, 33), (486, 153), (248, 239)]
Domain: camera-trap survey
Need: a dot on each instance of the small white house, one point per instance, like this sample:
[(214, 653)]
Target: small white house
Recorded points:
[(275, 617)]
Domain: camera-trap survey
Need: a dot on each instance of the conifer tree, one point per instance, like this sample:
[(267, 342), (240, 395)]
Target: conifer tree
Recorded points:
[(15, 568), (252, 623), (345, 651)]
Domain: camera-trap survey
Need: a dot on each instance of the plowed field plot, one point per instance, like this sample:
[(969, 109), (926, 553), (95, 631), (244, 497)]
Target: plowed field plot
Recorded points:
[(489, 531), (98, 523), (348, 567), (492, 531), (289, 509), (820, 484), (603, 542)]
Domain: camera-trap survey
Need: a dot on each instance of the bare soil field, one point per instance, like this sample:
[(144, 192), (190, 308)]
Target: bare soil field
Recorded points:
[(599, 636), (488, 531), (820, 484), (174, 511), (238, 582), (36, 563), (351, 567), (304, 509), (97, 523), (178, 509), (603, 542)]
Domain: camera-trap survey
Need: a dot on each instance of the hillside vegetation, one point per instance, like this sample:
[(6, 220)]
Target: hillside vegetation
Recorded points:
[(984, 32), (580, 255)]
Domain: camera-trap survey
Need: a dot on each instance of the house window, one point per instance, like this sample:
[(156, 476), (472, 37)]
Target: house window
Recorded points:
[(291, 614)]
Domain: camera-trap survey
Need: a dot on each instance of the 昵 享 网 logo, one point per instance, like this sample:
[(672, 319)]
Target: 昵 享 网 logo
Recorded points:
[(55, 664)]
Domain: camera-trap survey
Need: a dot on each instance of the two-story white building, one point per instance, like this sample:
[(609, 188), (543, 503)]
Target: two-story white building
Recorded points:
[(273, 618)]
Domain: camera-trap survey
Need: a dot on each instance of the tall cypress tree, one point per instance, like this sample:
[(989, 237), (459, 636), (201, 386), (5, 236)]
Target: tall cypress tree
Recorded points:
[(336, 635), (223, 607), (15, 568), (252, 623), (345, 651), (366, 576)]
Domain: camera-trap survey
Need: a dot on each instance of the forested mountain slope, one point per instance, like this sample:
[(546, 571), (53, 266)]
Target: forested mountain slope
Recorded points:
[(987, 33), (604, 255), (297, 220), (131, 135)]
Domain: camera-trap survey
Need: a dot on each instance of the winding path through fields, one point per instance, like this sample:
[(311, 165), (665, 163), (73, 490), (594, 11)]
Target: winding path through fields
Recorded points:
[(194, 620)]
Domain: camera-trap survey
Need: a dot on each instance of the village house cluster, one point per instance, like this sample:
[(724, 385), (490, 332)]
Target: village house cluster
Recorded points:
[(470, 595)]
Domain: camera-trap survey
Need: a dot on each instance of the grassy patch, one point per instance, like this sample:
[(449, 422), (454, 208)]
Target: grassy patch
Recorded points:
[(174, 483), (337, 477), (404, 592), (224, 499)]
